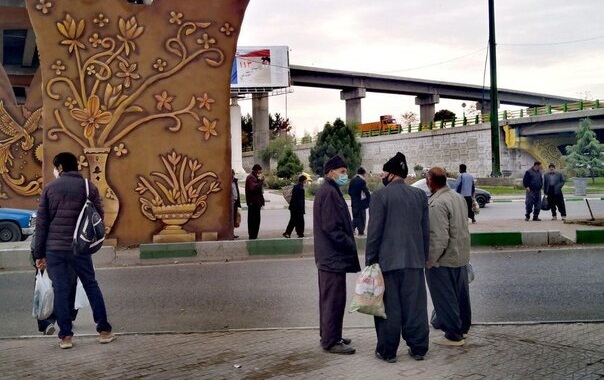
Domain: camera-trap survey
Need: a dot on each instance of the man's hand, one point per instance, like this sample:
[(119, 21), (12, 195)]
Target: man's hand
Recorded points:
[(428, 265), (41, 263), (528, 189)]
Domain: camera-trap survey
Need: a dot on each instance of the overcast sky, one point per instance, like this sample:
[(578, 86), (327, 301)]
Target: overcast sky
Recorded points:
[(547, 46)]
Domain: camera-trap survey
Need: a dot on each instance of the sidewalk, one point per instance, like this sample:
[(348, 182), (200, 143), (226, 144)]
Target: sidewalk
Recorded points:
[(542, 351)]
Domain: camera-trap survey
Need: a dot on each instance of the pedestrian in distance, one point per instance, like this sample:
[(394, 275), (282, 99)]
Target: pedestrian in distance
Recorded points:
[(335, 255), (360, 198), (397, 239), (464, 185), (533, 183), (60, 205), (553, 182), (446, 271), (236, 201), (296, 209), (254, 197)]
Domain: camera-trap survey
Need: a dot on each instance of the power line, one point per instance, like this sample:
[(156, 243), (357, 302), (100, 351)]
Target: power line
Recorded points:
[(436, 63), (554, 43)]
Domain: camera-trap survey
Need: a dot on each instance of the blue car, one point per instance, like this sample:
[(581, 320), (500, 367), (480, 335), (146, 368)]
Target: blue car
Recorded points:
[(16, 224)]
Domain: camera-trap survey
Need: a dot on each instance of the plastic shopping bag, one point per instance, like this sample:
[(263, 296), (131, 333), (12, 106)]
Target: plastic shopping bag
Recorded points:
[(81, 299), (44, 296), (475, 207), (369, 292)]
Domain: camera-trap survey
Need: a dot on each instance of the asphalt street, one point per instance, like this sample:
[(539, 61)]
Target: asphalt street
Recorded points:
[(563, 284)]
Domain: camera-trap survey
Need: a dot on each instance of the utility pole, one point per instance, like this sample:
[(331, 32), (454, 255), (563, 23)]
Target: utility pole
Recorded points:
[(496, 162)]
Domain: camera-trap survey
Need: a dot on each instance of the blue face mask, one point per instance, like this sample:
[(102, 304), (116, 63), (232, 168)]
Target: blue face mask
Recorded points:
[(342, 179)]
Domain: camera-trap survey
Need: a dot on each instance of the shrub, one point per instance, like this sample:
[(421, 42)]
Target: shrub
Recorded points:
[(336, 139), (289, 165)]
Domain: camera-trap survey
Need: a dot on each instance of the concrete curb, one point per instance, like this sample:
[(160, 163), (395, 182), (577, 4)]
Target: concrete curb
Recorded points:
[(18, 257)]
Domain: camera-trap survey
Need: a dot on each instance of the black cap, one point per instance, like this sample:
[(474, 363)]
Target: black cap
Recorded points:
[(334, 163), (256, 167), (397, 165)]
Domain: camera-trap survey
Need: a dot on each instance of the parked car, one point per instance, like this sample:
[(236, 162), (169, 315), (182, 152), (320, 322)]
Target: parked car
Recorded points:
[(16, 224), (482, 196)]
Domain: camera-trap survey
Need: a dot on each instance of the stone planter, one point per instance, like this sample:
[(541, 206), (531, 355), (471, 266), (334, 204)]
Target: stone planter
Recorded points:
[(581, 186)]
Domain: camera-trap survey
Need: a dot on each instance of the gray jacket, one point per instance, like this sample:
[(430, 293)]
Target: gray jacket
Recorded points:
[(449, 233), (553, 182), (398, 234)]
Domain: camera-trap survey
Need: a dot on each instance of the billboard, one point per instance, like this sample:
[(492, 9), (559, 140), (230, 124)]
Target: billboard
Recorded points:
[(260, 69)]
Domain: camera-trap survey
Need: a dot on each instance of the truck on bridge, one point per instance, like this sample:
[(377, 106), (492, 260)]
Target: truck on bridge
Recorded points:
[(386, 125)]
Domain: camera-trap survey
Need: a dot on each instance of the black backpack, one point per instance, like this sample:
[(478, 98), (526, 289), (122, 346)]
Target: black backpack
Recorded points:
[(89, 233)]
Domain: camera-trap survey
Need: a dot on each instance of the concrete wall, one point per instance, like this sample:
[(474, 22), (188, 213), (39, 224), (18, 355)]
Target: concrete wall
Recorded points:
[(443, 147)]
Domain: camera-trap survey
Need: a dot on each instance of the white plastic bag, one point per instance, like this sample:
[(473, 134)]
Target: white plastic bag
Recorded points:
[(44, 296), (81, 299), (368, 295)]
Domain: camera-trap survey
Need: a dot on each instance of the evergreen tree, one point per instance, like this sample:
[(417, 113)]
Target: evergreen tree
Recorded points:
[(289, 165), (336, 139), (584, 159), (444, 115)]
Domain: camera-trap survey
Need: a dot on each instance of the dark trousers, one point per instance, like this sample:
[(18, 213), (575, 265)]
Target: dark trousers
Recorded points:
[(253, 220), (332, 303), (51, 320), (470, 211), (533, 203), (63, 269), (451, 298), (296, 220), (406, 303), (359, 217), (557, 200)]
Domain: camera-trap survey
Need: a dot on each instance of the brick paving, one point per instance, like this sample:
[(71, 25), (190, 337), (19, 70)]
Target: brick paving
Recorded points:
[(539, 351)]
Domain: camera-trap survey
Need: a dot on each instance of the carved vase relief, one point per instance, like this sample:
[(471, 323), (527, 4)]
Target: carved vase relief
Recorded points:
[(122, 81)]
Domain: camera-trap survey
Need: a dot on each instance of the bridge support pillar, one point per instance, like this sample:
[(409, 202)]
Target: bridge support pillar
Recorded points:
[(236, 154), (427, 107), (353, 105), (260, 127)]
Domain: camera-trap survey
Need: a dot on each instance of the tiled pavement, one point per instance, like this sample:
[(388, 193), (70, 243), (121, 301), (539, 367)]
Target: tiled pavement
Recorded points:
[(540, 351)]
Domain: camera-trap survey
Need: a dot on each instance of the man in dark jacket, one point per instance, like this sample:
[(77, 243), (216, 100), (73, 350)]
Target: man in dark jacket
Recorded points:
[(254, 198), (553, 182), (60, 205), (533, 183), (360, 198), (296, 209), (398, 239), (335, 255)]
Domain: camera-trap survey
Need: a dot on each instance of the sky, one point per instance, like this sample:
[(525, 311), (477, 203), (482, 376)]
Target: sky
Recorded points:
[(553, 47)]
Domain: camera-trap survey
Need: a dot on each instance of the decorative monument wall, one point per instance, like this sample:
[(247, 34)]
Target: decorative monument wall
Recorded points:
[(141, 95)]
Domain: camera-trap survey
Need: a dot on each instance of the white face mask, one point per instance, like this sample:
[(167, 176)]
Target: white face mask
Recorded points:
[(56, 173)]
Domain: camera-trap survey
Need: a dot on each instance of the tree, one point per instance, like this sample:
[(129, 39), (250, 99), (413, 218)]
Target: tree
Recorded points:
[(289, 165), (278, 126), (247, 130), (444, 115), (336, 139), (584, 159), (276, 148)]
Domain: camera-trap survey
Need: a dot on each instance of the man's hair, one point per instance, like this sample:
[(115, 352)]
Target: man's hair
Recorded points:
[(463, 168), (537, 163), (361, 170), (552, 166), (438, 176), (302, 178), (67, 160)]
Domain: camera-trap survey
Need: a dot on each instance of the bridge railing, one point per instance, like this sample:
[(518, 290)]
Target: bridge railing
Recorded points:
[(467, 121)]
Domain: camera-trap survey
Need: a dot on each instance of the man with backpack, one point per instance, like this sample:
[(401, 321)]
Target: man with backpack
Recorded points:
[(58, 212)]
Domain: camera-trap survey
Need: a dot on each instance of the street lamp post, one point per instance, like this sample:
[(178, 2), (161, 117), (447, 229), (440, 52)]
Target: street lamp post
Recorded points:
[(496, 170)]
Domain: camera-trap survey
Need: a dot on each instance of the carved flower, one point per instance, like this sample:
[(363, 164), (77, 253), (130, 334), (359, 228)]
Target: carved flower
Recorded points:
[(174, 158), (70, 102), (163, 101), (208, 128), (176, 18), (95, 40), (120, 150), (206, 41), (101, 20), (205, 101), (227, 29), (44, 6), (58, 67), (82, 162), (129, 30), (72, 31), (91, 70), (91, 117), (160, 65), (128, 72)]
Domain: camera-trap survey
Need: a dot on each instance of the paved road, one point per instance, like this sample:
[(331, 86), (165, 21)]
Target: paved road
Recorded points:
[(552, 285)]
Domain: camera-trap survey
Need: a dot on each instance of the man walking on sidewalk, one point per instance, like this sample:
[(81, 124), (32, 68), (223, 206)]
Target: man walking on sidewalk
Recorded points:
[(446, 271), (297, 209), (359, 199), (533, 183), (464, 185), (553, 182), (254, 197)]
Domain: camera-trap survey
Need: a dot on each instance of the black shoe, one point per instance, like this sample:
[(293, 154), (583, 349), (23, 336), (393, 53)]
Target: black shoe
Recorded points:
[(340, 348), (526, 219), (361, 233), (536, 220), (285, 235), (345, 341), (388, 360), (473, 220), (414, 356), (235, 236), (301, 236)]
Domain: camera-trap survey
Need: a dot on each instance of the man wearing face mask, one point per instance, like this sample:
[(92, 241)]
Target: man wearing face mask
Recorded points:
[(335, 255), (398, 239)]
